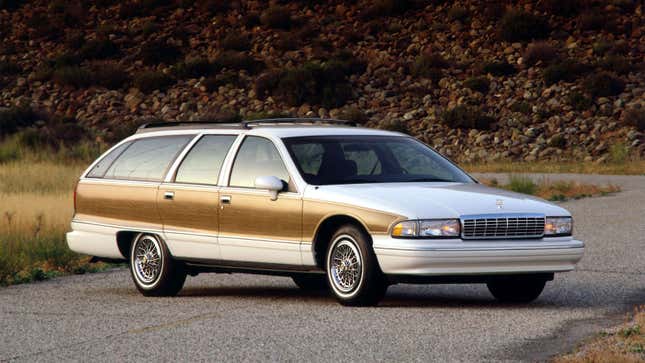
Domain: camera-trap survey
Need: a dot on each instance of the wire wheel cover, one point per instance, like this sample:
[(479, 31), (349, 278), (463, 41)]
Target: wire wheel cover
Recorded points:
[(147, 260), (346, 266)]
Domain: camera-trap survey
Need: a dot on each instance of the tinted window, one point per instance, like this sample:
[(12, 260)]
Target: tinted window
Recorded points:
[(257, 157), (204, 161), (147, 159), (369, 159), (98, 171)]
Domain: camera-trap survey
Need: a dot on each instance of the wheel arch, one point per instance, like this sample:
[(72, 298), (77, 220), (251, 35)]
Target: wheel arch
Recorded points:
[(124, 240), (326, 229)]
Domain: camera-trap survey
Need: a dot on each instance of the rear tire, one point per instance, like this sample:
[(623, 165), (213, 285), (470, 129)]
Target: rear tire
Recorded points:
[(352, 270), (153, 269), (516, 289), (311, 282)]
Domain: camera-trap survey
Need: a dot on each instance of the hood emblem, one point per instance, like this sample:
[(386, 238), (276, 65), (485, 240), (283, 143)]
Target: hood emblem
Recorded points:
[(499, 203)]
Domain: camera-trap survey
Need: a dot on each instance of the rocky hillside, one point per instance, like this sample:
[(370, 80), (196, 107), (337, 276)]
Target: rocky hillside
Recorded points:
[(478, 80)]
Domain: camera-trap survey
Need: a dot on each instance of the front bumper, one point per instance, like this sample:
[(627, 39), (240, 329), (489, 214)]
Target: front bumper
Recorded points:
[(427, 257)]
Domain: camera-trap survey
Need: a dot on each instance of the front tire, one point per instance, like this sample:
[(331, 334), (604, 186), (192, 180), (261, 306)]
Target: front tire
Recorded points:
[(516, 289), (153, 270), (352, 270)]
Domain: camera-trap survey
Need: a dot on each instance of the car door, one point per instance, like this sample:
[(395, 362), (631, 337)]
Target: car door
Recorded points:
[(188, 203), (253, 227)]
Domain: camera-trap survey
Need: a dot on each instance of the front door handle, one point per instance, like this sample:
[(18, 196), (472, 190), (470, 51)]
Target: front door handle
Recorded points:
[(169, 195), (225, 199)]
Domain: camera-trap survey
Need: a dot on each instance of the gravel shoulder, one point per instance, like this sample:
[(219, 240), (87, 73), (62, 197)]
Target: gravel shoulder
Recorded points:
[(259, 318)]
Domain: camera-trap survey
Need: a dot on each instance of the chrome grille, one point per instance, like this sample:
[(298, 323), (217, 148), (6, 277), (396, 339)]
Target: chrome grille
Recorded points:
[(502, 226)]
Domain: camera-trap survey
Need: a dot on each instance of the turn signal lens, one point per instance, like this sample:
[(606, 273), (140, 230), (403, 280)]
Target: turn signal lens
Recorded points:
[(558, 226), (405, 229)]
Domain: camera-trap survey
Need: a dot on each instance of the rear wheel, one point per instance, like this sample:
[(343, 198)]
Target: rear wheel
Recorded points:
[(352, 269), (153, 270), (311, 282), (516, 289)]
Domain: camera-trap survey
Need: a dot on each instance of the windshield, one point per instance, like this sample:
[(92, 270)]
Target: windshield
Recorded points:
[(324, 160)]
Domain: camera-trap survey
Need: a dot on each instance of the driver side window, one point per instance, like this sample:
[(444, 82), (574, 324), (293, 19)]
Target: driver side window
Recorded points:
[(256, 157)]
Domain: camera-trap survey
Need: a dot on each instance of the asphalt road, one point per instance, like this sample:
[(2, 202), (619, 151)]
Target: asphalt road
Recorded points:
[(256, 318)]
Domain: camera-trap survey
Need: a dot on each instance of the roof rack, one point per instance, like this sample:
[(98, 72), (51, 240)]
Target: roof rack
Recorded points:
[(244, 124)]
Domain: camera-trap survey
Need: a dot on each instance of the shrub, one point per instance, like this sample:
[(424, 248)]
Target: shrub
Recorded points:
[(213, 83), (265, 115), (149, 28), (567, 70), (354, 114), (396, 125), (150, 81), (578, 101), (593, 20), (564, 8), (615, 63), (14, 118), (74, 76), (387, 8), (603, 84), (109, 75), (251, 20), (479, 84), (159, 51), (502, 68), (193, 68), (539, 52), (601, 47), (10, 4), (99, 49), (238, 61), (9, 67), (235, 41), (276, 17), (618, 152), (522, 184), (558, 141), (429, 65), (458, 13), (518, 26), (635, 117), (65, 60), (465, 117), (521, 107)]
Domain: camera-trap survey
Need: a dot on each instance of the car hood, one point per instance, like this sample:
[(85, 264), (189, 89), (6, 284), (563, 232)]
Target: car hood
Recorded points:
[(433, 200)]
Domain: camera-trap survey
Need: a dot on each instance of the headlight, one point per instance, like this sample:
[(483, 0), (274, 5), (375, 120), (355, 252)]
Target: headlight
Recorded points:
[(427, 228), (558, 226)]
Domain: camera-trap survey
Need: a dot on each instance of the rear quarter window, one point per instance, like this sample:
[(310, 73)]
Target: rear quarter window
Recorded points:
[(99, 169), (147, 159)]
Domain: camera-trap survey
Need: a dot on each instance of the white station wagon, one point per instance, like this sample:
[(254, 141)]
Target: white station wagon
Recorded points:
[(348, 209)]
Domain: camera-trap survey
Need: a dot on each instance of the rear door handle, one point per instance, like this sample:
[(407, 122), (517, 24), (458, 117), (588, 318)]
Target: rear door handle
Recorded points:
[(169, 195), (225, 199)]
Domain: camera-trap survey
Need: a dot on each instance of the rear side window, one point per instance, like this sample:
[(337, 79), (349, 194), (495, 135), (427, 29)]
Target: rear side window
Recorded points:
[(99, 169), (257, 157), (204, 161), (147, 159)]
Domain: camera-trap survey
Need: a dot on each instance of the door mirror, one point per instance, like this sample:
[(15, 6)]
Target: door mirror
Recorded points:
[(271, 183)]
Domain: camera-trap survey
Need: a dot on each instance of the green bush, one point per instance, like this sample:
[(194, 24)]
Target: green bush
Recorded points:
[(522, 184), (387, 8), (159, 51), (539, 52), (74, 76), (635, 117), (150, 81), (568, 70), (466, 117), (109, 75), (578, 101), (479, 84), (564, 8), (99, 49), (517, 26), (594, 21), (521, 107), (458, 13), (558, 141), (604, 84), (193, 68), (236, 41), (213, 83), (616, 63), (9, 68), (396, 125), (502, 68), (276, 17), (429, 66), (14, 118)]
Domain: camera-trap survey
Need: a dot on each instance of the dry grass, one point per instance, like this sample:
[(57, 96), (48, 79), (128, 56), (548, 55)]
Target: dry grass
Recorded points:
[(552, 190), (623, 344), (627, 168), (36, 206)]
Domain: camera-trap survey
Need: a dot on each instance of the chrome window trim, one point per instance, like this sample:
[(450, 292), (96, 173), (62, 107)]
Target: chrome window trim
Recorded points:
[(180, 157)]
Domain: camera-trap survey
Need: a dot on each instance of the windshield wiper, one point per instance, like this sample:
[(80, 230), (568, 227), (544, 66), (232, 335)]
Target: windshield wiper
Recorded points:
[(428, 180)]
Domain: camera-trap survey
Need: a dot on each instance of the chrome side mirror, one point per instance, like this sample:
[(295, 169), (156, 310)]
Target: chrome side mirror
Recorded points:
[(271, 183)]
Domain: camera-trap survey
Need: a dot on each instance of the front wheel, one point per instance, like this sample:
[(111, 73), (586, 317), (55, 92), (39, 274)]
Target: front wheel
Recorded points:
[(516, 289), (352, 269), (153, 270)]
